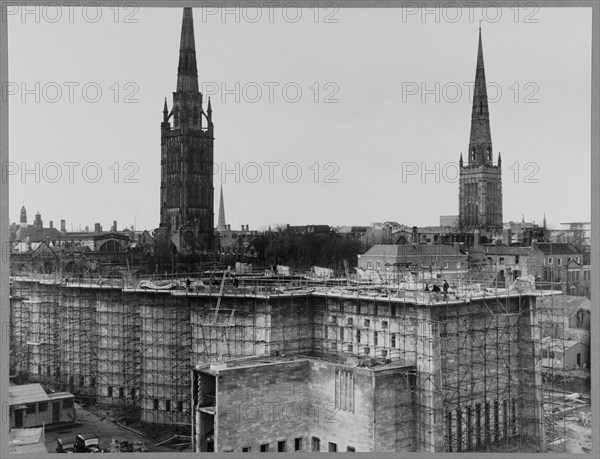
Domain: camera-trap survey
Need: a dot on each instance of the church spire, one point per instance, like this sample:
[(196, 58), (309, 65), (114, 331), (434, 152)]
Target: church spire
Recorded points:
[(221, 226), (480, 143), (187, 71)]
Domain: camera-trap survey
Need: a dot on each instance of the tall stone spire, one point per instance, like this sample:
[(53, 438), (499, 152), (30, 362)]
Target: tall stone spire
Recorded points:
[(480, 143), (187, 71), (221, 225)]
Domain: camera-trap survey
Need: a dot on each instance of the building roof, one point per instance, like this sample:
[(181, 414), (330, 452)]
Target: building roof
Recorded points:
[(412, 250), (558, 248), (37, 235), (559, 345), (28, 393)]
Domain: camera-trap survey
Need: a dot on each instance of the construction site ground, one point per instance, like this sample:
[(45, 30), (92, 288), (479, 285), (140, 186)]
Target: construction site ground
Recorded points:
[(578, 437), (104, 427)]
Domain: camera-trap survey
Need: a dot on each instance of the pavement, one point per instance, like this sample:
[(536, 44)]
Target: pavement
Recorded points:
[(102, 427)]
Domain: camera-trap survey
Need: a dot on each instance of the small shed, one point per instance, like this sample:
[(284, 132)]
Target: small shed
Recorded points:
[(564, 354), (31, 406)]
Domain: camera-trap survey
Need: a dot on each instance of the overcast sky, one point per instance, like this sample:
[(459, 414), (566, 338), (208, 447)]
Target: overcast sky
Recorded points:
[(360, 154)]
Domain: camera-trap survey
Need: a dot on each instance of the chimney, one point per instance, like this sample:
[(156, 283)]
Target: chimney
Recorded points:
[(242, 227), (415, 235), (114, 226), (534, 243), (63, 226), (228, 227), (51, 223), (97, 228)]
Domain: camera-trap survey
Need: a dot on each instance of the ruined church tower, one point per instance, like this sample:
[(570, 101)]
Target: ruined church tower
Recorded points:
[(187, 135), (480, 190)]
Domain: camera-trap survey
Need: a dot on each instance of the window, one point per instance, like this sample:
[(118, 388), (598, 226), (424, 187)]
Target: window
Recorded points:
[(110, 391), (350, 321), (168, 405), (579, 359), (333, 319), (179, 405), (458, 265), (43, 406), (577, 259), (31, 408), (378, 265), (384, 353), (67, 403), (81, 380), (350, 348), (367, 351), (375, 338), (281, 446), (298, 444), (351, 449), (369, 266), (316, 444), (264, 448), (516, 259), (332, 345), (559, 261), (228, 450), (344, 390), (549, 260), (501, 261), (384, 324), (332, 447), (393, 310), (156, 404), (393, 339), (121, 392), (445, 264), (358, 336), (246, 449), (367, 323), (132, 392), (341, 334)]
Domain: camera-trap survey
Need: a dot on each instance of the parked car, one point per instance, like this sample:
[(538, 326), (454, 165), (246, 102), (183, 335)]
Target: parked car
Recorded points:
[(64, 446), (86, 443)]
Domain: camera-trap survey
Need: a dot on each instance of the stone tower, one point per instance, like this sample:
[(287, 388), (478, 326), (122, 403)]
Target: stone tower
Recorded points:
[(186, 187), (480, 191), (23, 218), (221, 226)]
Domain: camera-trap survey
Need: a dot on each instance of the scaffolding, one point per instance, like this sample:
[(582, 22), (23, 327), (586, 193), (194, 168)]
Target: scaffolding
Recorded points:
[(476, 374)]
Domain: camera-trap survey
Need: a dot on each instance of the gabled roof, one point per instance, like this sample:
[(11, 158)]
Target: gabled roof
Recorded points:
[(27, 393)]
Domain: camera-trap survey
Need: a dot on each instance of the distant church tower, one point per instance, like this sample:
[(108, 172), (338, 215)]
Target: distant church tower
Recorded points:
[(23, 219), (221, 226), (480, 192), (186, 187)]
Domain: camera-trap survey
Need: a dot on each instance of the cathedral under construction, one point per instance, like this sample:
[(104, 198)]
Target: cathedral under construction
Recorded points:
[(284, 363)]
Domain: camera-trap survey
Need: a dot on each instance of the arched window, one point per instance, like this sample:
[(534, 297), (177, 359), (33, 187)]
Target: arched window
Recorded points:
[(110, 246), (195, 119), (176, 117)]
